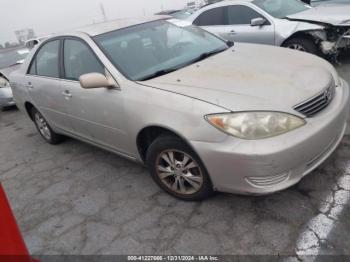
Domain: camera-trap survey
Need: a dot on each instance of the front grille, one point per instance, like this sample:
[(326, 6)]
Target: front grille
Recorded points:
[(316, 104)]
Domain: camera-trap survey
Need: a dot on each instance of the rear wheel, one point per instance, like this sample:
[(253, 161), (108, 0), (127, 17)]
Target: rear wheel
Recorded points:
[(177, 169), (44, 128), (302, 44)]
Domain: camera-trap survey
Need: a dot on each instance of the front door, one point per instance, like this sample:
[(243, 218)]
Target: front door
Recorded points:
[(233, 22), (96, 114), (239, 26)]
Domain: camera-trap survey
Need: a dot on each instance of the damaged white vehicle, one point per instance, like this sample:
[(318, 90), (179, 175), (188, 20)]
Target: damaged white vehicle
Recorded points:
[(287, 23)]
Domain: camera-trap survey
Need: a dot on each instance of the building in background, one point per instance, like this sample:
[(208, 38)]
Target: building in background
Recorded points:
[(24, 35)]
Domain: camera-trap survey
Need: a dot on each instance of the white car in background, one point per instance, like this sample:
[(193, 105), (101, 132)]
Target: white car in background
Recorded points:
[(31, 43), (10, 60)]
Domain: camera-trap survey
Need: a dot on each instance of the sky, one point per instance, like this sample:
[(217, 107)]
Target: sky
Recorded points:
[(50, 16)]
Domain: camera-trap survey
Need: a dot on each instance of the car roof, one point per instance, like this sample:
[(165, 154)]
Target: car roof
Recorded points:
[(224, 2), (214, 5), (105, 27)]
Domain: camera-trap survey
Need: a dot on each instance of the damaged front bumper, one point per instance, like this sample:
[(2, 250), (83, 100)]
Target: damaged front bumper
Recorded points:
[(333, 47)]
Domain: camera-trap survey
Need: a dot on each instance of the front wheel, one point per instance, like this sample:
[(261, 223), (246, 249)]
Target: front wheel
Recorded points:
[(302, 44), (44, 128), (177, 169)]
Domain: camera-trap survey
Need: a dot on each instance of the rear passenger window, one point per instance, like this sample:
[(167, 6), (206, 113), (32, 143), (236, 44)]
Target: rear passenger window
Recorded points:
[(215, 16), (79, 60), (47, 60)]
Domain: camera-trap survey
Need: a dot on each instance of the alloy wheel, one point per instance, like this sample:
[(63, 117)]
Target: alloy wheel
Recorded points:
[(179, 172), (42, 126)]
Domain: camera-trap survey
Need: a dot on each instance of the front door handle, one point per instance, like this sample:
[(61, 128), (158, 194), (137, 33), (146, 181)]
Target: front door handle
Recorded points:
[(66, 94)]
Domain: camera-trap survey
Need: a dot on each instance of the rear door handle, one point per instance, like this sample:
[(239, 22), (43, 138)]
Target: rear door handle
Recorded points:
[(66, 94), (29, 85), (232, 32)]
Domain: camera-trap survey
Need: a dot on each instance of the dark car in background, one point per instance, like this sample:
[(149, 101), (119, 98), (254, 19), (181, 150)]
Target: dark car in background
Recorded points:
[(10, 60)]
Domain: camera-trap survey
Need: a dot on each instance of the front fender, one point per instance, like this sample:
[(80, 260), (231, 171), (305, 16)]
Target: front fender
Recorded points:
[(286, 28)]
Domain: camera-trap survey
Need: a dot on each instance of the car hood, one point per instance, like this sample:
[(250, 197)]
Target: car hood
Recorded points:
[(251, 77), (331, 14)]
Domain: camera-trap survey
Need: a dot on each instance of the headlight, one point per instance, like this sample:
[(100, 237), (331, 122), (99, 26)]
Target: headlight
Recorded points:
[(4, 82), (255, 125)]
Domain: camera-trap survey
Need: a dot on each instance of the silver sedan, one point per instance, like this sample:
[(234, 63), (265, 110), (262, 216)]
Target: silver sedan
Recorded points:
[(323, 30), (202, 115)]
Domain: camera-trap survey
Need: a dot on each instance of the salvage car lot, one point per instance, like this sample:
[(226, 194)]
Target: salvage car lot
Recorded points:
[(76, 199)]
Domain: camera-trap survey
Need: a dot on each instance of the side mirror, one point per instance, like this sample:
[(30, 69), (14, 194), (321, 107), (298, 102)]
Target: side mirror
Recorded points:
[(96, 80), (258, 21)]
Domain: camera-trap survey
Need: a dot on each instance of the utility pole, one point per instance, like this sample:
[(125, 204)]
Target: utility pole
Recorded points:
[(103, 12)]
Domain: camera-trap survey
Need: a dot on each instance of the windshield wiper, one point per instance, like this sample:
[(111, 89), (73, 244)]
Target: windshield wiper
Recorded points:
[(158, 73), (206, 55), (167, 71)]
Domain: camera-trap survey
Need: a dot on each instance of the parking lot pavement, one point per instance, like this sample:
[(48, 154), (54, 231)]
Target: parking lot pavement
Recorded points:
[(76, 199)]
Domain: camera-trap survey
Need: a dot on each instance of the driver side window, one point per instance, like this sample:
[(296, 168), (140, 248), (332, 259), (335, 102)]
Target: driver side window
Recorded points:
[(241, 15)]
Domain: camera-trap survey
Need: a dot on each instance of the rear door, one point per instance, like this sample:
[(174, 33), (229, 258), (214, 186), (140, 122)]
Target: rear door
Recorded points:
[(44, 84)]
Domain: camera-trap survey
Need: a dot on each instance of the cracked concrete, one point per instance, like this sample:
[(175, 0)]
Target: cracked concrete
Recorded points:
[(77, 199)]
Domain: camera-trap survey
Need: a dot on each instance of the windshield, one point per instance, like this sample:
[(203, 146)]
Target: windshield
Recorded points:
[(281, 8), (158, 47), (12, 57)]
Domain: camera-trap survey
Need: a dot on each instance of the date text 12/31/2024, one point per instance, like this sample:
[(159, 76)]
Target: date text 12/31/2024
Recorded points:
[(173, 258)]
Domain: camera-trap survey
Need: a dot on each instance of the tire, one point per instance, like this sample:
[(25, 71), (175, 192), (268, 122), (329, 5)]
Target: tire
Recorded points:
[(44, 128), (302, 44), (177, 169)]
